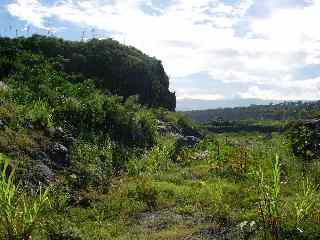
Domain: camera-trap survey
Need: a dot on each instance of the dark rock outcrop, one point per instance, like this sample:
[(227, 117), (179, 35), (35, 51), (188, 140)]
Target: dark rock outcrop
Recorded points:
[(184, 142), (59, 155), (167, 128)]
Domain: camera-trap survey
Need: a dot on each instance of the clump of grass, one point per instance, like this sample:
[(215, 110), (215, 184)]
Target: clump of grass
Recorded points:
[(305, 202), (19, 213), (270, 204), (40, 114)]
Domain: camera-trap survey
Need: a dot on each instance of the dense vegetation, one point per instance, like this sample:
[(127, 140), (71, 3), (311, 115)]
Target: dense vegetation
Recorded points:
[(78, 162), (275, 112), (122, 70)]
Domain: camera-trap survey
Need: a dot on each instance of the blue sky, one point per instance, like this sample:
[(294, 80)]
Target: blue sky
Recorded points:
[(211, 49)]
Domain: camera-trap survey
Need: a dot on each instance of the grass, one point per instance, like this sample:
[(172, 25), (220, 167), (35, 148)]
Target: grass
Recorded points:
[(220, 184), (18, 212)]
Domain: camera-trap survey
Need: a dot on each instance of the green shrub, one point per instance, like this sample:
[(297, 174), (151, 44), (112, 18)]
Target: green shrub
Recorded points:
[(93, 162), (147, 193), (305, 141), (60, 228), (40, 114), (19, 213)]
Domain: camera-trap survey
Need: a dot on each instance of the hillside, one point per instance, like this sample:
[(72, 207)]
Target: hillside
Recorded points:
[(122, 70)]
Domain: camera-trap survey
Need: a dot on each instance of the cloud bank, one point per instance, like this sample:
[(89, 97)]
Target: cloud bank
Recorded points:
[(211, 49)]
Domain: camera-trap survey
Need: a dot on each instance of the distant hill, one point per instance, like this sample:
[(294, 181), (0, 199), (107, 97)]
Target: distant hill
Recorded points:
[(279, 111), (197, 104)]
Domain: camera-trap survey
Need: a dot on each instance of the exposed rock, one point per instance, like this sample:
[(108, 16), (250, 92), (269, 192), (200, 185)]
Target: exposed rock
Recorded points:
[(201, 156), (184, 142), (59, 132), (44, 173), (40, 156), (246, 228), (2, 124), (311, 122), (59, 154), (166, 128), (188, 141)]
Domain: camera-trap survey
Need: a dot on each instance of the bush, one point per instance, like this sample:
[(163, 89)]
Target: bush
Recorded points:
[(40, 114), (147, 193), (93, 162), (305, 141)]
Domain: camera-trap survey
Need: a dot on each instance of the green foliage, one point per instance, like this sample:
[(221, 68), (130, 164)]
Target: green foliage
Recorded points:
[(93, 162), (123, 70), (269, 204), (19, 213), (40, 114), (153, 162), (305, 202), (304, 141), (147, 193)]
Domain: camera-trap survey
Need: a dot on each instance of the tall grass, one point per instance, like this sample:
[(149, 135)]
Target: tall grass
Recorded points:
[(305, 202), (269, 204), (19, 213)]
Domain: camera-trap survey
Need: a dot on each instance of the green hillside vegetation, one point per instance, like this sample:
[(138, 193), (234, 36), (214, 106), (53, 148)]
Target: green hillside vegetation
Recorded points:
[(122, 70), (84, 158), (272, 112)]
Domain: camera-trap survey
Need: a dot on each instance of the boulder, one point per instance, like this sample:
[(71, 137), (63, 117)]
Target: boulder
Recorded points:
[(59, 154), (166, 128), (188, 142), (39, 156), (43, 173)]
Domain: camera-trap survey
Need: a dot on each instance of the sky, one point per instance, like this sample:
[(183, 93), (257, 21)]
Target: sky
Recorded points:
[(211, 49)]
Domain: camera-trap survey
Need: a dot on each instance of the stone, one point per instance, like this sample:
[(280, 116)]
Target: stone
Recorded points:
[(188, 141), (59, 154), (166, 128), (39, 156), (247, 228), (59, 132), (43, 173)]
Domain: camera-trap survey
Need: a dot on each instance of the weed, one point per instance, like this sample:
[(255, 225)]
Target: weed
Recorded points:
[(269, 204), (19, 213)]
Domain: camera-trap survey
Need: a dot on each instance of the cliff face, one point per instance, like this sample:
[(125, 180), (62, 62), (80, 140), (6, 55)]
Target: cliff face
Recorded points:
[(116, 68)]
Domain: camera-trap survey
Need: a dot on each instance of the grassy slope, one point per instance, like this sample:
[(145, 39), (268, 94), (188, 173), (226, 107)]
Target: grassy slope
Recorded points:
[(202, 197)]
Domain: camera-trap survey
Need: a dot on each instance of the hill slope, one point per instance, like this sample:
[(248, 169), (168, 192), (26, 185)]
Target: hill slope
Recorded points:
[(123, 70)]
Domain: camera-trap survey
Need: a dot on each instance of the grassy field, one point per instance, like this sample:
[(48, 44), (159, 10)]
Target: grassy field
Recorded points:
[(226, 187)]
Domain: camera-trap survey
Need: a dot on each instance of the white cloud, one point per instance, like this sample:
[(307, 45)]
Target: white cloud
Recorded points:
[(198, 93), (286, 90), (201, 36)]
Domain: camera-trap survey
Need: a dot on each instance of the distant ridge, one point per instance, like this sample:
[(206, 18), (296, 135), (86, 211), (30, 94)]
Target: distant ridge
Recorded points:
[(289, 110), (198, 104)]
